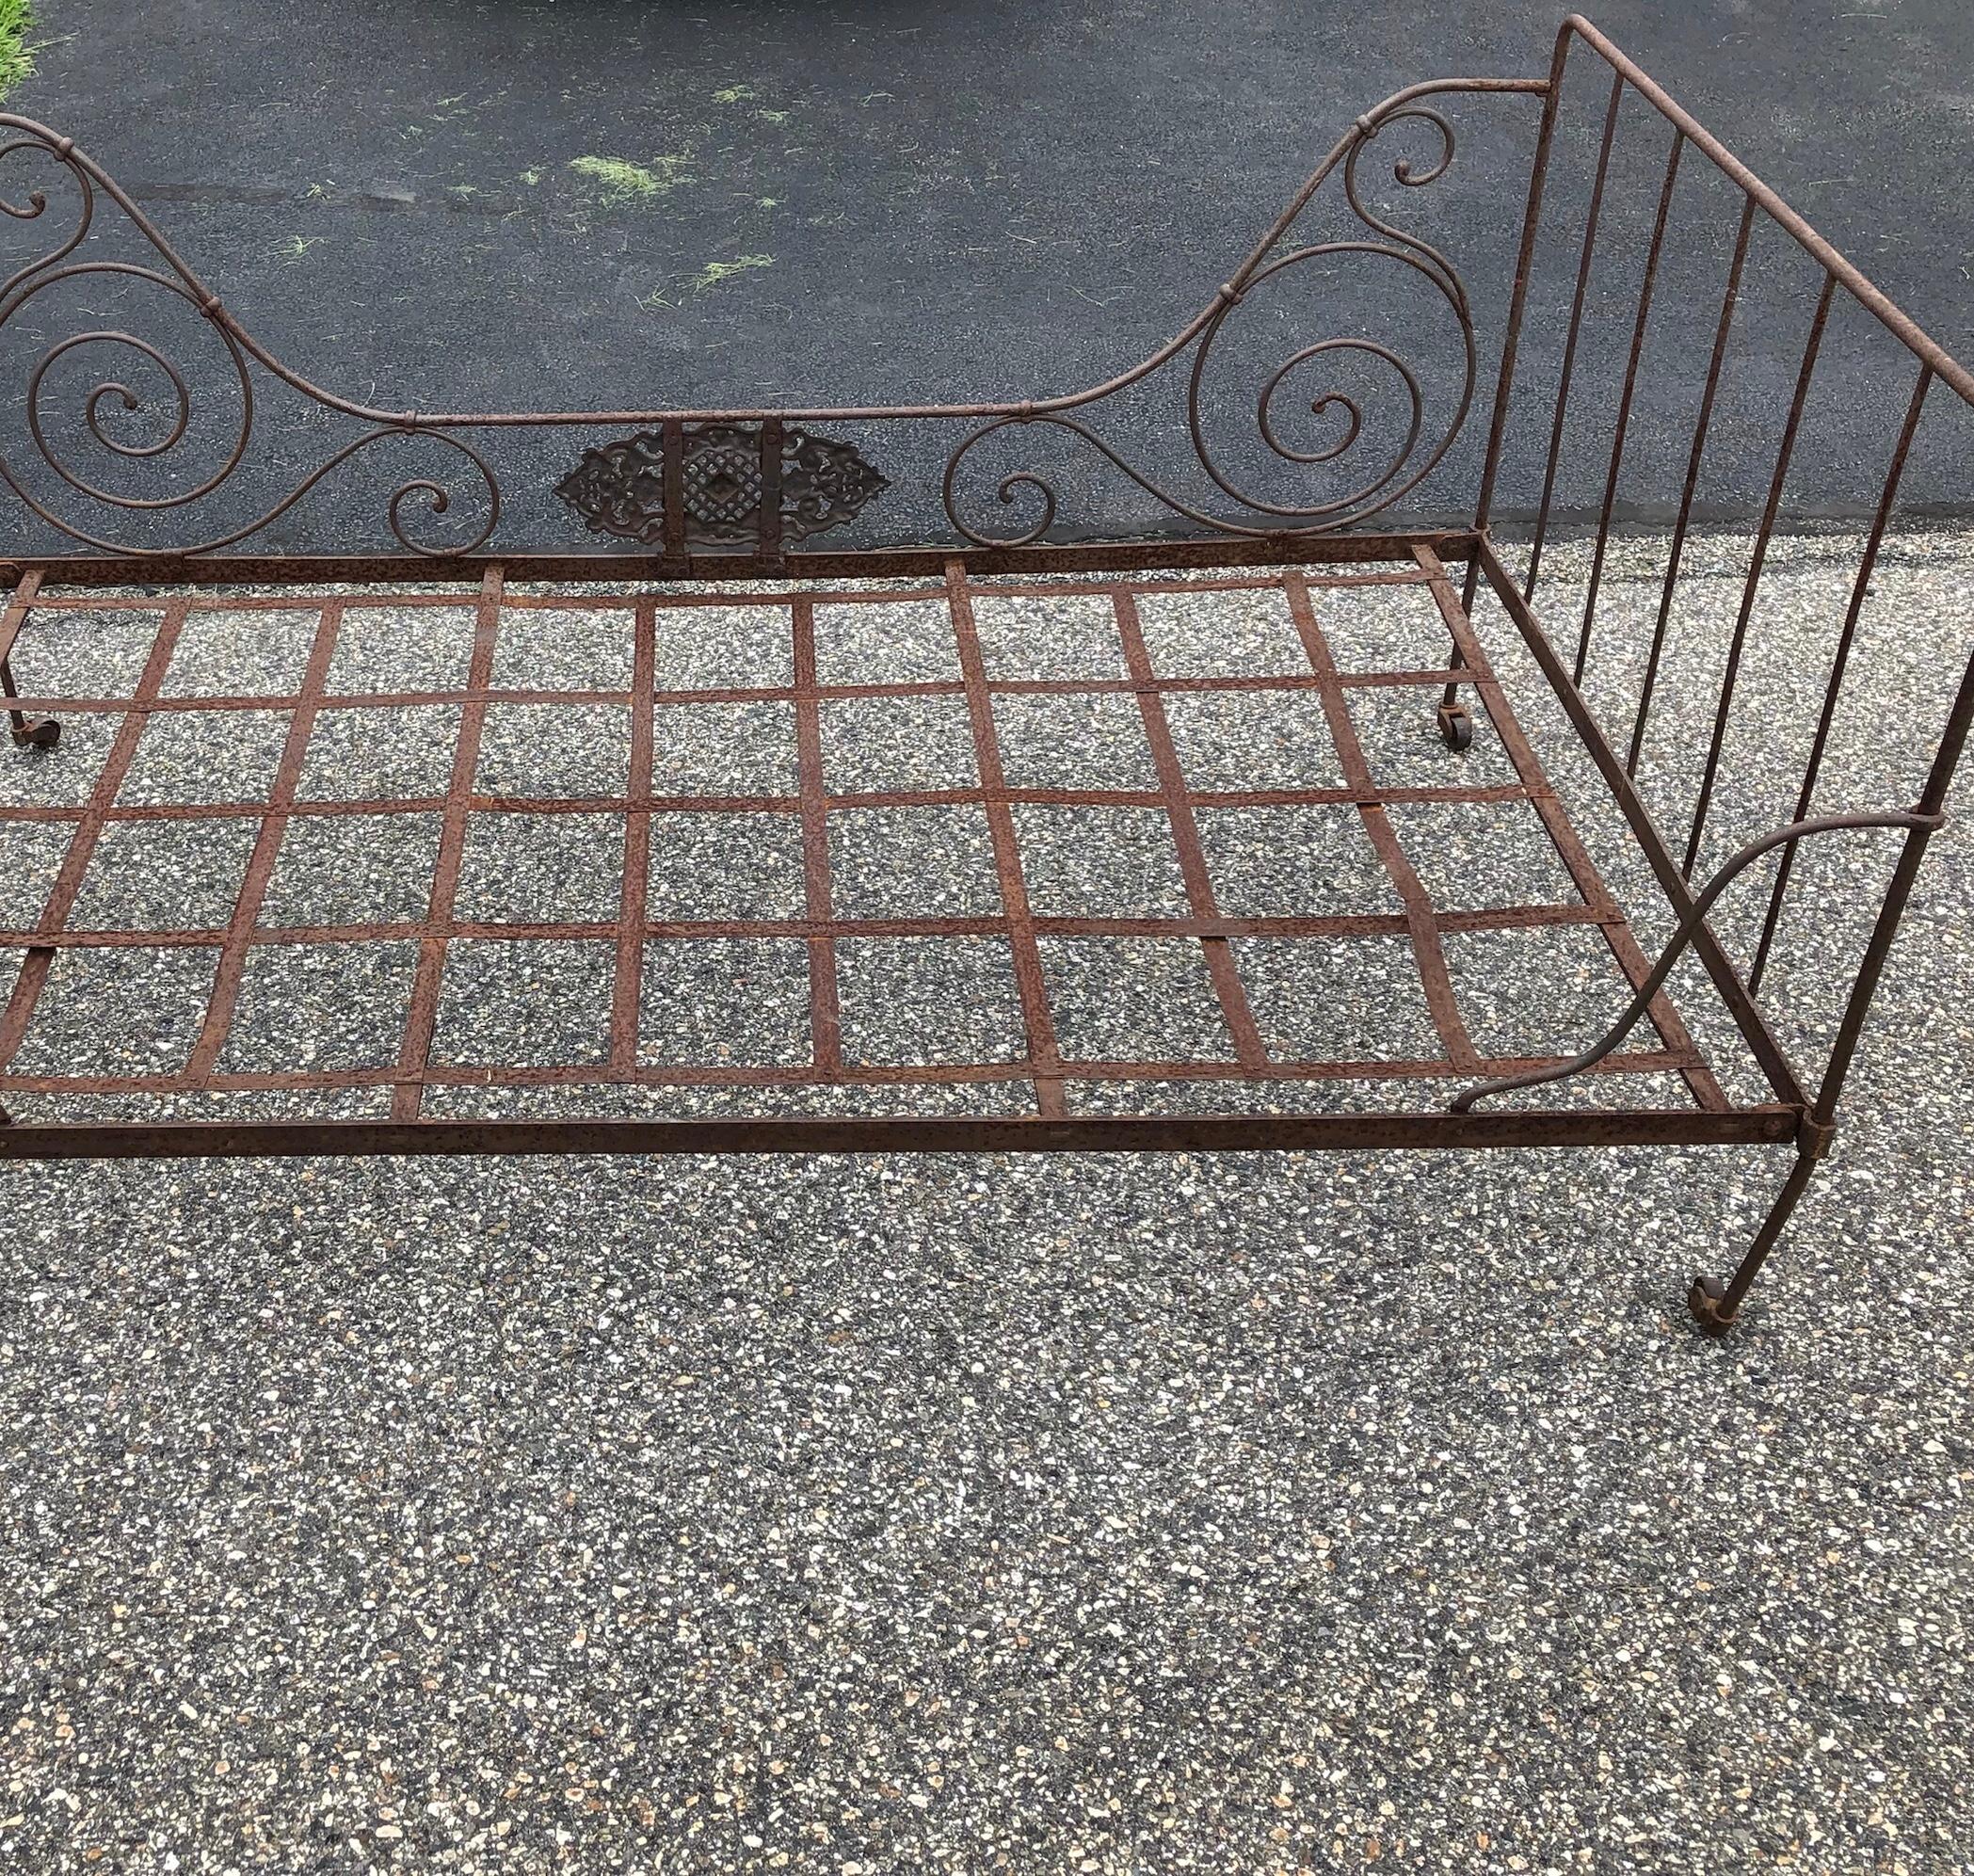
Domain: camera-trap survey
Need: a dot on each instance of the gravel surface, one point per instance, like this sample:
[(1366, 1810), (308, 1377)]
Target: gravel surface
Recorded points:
[(1055, 1513)]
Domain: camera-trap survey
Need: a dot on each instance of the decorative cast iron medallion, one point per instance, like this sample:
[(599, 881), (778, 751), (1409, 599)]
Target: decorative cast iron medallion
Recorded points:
[(619, 489)]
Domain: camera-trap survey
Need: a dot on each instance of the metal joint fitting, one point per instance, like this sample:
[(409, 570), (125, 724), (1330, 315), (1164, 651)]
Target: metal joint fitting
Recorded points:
[(1814, 1137)]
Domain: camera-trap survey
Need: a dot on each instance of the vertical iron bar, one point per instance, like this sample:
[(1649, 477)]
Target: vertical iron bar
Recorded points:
[(19, 603), (1511, 340), (1701, 424), (672, 432), (1839, 662), (1753, 583), (1576, 326), (1624, 402), (770, 513)]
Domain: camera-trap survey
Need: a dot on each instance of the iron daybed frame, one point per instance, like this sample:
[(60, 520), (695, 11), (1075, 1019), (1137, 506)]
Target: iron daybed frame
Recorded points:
[(731, 496)]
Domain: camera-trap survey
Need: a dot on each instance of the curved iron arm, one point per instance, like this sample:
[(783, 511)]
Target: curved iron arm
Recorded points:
[(1912, 821), (1388, 243), (63, 149)]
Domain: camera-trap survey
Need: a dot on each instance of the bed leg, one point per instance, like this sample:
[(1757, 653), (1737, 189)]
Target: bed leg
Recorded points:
[(1716, 1306), (1455, 721), (29, 732)]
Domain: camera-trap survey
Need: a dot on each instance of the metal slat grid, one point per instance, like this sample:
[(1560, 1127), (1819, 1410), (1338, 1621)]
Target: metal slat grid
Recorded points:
[(1051, 1079)]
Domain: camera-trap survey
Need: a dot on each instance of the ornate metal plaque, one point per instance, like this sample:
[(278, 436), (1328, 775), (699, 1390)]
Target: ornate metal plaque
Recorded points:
[(619, 489)]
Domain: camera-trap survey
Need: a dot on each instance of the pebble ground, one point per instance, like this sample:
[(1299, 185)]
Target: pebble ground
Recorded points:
[(1220, 1514)]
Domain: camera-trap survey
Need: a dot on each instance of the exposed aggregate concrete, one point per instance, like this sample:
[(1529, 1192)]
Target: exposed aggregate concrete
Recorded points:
[(1085, 1514)]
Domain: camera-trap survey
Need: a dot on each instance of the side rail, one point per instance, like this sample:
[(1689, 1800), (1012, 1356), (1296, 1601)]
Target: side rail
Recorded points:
[(158, 435), (1722, 359)]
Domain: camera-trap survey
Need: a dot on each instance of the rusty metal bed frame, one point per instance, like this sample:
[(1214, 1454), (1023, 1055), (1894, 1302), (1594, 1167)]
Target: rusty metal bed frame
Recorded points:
[(692, 498)]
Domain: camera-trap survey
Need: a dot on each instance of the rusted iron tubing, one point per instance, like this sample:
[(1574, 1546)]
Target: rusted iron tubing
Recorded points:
[(1757, 1253), (421, 1013), (1768, 1051), (1353, 924), (1031, 986), (1931, 804), (11, 621), (825, 1016), (1752, 585), (1695, 916), (1517, 303), (1901, 327), (1591, 216), (858, 564), (703, 1076), (1152, 1134), (228, 706), (1624, 402), (1839, 662), (1701, 424), (633, 908), (15, 715)]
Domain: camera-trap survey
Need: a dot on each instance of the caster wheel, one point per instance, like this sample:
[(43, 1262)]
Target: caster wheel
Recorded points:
[(44, 734), (1704, 1299), (1455, 726)]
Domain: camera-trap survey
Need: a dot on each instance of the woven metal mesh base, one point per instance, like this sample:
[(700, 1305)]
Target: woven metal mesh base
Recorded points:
[(1082, 849)]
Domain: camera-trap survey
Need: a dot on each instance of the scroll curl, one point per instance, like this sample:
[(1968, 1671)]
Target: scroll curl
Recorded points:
[(1382, 421), (106, 406), (1386, 480)]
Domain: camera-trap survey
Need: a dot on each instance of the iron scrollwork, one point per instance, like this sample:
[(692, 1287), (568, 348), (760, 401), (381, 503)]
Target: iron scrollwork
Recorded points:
[(721, 483), (619, 488), (1415, 456), (242, 353)]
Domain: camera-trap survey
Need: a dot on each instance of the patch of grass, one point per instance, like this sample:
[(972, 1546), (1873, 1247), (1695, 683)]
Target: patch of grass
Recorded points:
[(714, 272), (619, 180), (16, 55)]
